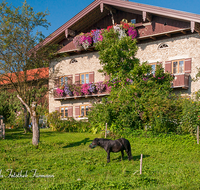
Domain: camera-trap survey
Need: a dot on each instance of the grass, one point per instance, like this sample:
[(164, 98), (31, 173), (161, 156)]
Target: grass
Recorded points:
[(65, 161)]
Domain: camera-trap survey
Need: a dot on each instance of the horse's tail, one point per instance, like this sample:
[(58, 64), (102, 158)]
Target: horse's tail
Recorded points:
[(127, 146)]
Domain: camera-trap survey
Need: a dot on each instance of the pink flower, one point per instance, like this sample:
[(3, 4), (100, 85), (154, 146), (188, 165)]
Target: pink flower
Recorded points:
[(59, 91)]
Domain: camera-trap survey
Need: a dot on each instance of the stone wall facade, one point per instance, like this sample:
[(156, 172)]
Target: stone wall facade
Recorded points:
[(182, 47)]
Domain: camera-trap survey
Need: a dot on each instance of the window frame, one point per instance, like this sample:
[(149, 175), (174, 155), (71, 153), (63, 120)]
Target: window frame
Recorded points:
[(178, 66), (85, 111), (64, 82), (64, 112), (84, 77), (155, 67)]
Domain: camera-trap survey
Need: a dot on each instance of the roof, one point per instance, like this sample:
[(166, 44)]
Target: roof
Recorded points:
[(33, 74), (97, 10)]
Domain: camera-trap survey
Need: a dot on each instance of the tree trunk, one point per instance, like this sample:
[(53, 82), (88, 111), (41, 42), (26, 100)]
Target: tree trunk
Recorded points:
[(35, 128), (36, 132), (26, 121)]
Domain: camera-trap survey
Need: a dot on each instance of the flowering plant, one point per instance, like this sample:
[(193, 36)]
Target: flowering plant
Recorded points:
[(97, 35), (77, 41), (85, 88), (132, 32), (77, 90), (60, 92), (86, 40), (100, 86), (83, 40), (67, 90), (91, 87)]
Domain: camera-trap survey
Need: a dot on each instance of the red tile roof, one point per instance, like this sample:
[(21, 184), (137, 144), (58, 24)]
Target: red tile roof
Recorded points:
[(33, 74)]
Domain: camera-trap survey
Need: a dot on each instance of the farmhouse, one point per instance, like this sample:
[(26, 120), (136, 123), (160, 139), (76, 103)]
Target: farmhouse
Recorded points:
[(164, 36)]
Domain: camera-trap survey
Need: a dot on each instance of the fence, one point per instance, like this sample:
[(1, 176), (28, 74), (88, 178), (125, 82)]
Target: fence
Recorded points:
[(2, 128)]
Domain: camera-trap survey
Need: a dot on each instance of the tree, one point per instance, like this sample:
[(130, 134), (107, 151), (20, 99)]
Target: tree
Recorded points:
[(20, 58), (138, 97)]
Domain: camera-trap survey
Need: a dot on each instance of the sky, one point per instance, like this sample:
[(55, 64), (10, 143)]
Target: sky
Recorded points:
[(60, 11)]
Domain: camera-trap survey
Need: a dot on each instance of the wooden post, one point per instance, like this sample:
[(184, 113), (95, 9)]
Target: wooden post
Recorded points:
[(106, 131), (0, 130), (141, 164), (3, 132), (1, 126), (197, 134)]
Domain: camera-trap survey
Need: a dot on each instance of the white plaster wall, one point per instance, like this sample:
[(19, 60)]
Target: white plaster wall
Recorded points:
[(187, 46), (85, 63)]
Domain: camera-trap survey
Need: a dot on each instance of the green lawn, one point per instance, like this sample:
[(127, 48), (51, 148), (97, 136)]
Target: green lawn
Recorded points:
[(65, 161)]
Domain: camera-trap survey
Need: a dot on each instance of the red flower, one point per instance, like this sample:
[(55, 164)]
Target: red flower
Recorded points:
[(126, 26), (109, 27)]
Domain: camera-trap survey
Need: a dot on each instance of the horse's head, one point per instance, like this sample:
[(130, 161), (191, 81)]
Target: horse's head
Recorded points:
[(94, 143)]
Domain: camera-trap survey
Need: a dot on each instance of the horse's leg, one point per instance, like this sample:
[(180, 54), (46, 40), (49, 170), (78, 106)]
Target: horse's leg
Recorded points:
[(108, 156), (129, 154), (122, 151)]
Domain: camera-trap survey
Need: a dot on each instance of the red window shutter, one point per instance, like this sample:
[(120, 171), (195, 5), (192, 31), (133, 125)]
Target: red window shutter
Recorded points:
[(168, 66), (69, 79), (56, 83), (77, 111), (91, 76), (188, 65), (77, 78), (57, 109), (107, 77), (70, 111)]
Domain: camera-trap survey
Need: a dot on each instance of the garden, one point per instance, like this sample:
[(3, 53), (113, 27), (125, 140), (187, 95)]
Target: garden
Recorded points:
[(64, 160)]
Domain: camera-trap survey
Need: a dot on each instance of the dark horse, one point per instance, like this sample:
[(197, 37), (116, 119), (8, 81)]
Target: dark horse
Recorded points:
[(113, 146)]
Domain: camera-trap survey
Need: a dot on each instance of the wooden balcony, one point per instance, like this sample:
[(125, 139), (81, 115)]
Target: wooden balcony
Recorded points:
[(181, 81), (65, 97)]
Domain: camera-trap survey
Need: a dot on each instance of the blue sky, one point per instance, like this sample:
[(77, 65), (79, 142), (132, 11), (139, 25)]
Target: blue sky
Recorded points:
[(61, 11)]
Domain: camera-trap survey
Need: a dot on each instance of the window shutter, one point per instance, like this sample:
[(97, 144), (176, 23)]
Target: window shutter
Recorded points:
[(77, 78), (188, 65), (107, 77), (56, 83), (70, 111), (57, 109), (77, 111), (69, 79), (91, 76), (168, 66), (90, 107)]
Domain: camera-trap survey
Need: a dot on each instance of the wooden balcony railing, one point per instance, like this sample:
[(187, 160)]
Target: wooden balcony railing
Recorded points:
[(181, 81), (65, 96)]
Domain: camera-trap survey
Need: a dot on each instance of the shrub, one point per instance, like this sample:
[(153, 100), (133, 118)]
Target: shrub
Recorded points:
[(66, 125)]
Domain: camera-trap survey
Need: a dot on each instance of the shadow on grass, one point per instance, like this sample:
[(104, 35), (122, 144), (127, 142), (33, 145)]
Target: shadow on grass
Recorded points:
[(11, 134), (84, 141), (134, 158), (18, 133)]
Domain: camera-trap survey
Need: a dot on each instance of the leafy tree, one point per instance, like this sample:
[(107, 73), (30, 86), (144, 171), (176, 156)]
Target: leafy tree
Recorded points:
[(22, 51), (138, 97)]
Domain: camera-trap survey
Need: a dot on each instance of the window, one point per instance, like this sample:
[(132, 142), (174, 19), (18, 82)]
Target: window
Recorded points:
[(84, 78), (63, 81), (178, 66), (162, 46), (84, 110), (153, 66), (63, 112)]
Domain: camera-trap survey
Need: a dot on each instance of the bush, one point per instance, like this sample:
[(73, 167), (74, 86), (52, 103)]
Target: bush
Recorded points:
[(66, 125), (190, 116)]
